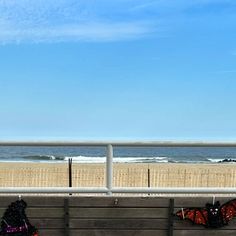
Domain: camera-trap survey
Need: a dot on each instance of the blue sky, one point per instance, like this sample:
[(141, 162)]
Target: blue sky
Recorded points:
[(121, 69)]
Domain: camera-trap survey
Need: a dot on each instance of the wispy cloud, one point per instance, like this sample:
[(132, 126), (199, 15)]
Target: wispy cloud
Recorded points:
[(74, 32), (66, 20), (83, 20), (178, 5)]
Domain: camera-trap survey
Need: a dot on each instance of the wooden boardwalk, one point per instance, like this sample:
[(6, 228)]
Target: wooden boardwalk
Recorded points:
[(115, 216)]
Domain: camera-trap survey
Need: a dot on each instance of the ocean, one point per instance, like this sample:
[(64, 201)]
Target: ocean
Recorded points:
[(121, 154)]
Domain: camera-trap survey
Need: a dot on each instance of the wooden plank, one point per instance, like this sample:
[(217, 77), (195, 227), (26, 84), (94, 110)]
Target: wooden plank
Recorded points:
[(56, 201), (118, 224), (109, 201), (207, 232), (41, 212), (198, 201), (45, 212), (52, 232), (122, 202), (45, 201), (187, 225), (117, 233), (5, 201), (48, 212), (45, 223), (119, 212)]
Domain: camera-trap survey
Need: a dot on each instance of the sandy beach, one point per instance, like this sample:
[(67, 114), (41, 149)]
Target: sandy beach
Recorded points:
[(125, 175)]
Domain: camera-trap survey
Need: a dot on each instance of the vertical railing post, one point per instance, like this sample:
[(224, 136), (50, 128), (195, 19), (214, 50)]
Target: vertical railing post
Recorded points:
[(109, 169), (70, 173)]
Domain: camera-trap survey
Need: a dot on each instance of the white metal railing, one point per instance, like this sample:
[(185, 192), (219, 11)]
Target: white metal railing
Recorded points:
[(109, 189), (134, 190)]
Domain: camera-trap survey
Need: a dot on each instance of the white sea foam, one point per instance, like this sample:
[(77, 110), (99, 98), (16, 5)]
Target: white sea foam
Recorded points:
[(215, 160), (85, 159), (222, 160)]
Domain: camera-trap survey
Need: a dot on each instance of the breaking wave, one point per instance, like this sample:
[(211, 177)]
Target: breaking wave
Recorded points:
[(102, 159), (86, 159)]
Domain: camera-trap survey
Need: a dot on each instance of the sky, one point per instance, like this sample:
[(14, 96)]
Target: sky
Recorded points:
[(118, 70)]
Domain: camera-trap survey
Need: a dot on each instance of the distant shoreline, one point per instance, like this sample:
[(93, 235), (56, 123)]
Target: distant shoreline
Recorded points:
[(120, 160)]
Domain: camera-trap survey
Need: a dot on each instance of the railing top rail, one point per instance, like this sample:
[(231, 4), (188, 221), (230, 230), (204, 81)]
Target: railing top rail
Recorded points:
[(133, 190), (120, 143)]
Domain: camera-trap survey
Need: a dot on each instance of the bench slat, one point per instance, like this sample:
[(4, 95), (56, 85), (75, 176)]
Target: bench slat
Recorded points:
[(122, 202), (117, 233), (207, 232), (119, 212), (118, 223)]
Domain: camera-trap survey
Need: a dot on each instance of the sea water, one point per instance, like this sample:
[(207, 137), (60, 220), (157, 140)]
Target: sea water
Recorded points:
[(121, 154)]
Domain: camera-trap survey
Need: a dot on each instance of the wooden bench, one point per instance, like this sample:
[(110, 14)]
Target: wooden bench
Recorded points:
[(114, 216)]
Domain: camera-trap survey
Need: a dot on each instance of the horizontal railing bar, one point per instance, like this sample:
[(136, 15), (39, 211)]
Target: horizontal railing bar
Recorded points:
[(173, 190), (52, 190), (141, 190), (119, 143)]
